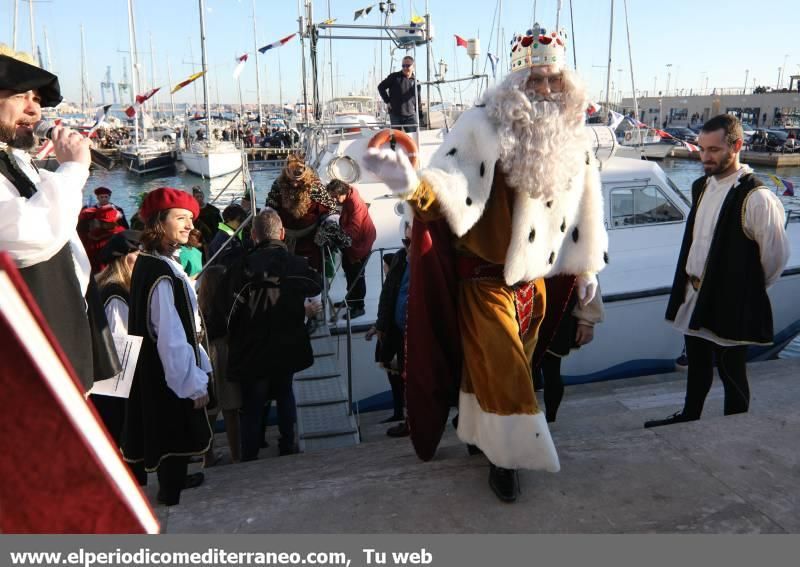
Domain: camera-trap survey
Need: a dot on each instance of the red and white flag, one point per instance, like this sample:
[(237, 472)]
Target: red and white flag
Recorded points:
[(240, 61), (140, 100), (460, 41), (278, 43)]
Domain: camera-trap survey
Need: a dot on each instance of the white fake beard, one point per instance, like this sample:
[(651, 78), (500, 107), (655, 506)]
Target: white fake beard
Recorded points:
[(541, 149)]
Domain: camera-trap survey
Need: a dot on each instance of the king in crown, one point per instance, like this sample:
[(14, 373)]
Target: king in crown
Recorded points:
[(511, 197)]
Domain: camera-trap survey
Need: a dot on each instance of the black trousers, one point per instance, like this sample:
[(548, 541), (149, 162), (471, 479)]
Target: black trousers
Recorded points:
[(171, 479), (732, 370), (553, 385), (356, 282), (404, 123)]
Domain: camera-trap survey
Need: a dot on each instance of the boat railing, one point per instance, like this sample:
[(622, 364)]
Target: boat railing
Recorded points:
[(792, 215), (326, 281)]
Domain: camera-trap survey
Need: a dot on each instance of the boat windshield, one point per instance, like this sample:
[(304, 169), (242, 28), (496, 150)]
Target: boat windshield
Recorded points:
[(680, 193)]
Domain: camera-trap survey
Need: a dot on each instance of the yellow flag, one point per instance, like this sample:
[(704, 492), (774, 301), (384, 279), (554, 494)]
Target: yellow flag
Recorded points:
[(188, 81), (329, 22), (417, 19)]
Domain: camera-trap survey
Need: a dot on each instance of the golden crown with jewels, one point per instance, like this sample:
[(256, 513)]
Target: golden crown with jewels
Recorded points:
[(538, 48)]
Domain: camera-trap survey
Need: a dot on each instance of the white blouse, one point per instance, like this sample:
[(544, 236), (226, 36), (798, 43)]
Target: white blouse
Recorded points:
[(177, 356), (763, 222), (34, 230)]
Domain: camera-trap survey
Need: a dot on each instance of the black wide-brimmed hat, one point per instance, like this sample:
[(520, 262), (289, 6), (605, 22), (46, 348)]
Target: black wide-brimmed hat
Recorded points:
[(20, 77), (121, 244)]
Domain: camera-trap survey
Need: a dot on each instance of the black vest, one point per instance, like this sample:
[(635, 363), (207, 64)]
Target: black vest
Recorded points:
[(110, 291), (56, 289), (732, 301), (158, 423)]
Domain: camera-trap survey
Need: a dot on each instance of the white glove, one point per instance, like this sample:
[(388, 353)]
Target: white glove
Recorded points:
[(586, 286), (393, 168)]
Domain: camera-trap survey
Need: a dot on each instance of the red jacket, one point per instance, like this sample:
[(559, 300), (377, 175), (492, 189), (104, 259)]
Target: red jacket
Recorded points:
[(356, 222)]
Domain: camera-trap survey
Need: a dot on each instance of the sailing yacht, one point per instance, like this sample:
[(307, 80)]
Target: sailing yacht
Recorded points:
[(143, 155), (209, 157)]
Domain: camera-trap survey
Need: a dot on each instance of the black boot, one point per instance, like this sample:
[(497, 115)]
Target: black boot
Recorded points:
[(474, 450), (677, 417), (504, 483)]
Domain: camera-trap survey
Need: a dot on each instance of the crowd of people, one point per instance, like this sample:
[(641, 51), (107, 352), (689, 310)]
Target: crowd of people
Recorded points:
[(497, 278)]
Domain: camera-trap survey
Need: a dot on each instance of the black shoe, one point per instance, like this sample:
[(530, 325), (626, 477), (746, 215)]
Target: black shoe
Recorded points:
[(504, 483), (399, 430), (393, 418), (193, 480), (283, 451), (356, 312), (474, 450), (677, 417), (162, 500)]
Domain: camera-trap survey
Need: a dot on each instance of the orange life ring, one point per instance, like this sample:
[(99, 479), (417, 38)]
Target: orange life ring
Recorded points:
[(401, 138)]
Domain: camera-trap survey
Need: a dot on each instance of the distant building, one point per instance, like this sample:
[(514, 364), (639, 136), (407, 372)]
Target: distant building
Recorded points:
[(773, 109)]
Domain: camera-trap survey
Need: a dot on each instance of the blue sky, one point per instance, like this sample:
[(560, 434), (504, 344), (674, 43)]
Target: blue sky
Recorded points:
[(700, 39)]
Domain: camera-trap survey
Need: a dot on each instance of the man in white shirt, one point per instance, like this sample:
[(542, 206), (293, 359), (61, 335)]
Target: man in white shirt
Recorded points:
[(734, 248), (39, 210)]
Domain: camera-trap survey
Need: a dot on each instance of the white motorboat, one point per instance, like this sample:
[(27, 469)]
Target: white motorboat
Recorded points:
[(645, 216)]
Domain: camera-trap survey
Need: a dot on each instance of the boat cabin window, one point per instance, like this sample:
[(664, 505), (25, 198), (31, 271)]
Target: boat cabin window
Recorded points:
[(635, 206)]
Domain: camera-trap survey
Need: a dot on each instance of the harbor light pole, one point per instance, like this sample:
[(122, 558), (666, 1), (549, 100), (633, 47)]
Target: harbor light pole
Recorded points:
[(669, 75), (746, 75)]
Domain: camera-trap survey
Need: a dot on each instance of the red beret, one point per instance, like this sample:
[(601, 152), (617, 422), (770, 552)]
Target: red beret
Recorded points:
[(102, 191), (107, 213), (165, 198)]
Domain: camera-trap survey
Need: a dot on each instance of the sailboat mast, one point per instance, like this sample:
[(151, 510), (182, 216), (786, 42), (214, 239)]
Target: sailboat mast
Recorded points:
[(171, 95), (153, 76), (133, 69), (83, 74), (258, 75), (206, 96), (608, 71), (303, 59), (630, 62), (14, 26), (47, 51), (30, 21)]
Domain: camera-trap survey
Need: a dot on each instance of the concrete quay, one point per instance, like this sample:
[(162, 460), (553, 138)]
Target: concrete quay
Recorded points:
[(735, 474)]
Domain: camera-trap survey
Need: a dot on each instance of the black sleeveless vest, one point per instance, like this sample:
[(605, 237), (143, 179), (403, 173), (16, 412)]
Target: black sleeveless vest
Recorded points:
[(159, 424), (732, 301), (57, 291)]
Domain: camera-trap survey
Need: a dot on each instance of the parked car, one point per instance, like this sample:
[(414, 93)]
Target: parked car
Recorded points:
[(773, 141), (681, 133)]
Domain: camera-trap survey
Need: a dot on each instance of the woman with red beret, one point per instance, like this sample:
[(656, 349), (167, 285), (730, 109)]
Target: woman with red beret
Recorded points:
[(165, 421)]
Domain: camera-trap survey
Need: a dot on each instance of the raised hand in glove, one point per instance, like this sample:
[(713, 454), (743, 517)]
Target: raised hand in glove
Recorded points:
[(586, 287), (393, 168)]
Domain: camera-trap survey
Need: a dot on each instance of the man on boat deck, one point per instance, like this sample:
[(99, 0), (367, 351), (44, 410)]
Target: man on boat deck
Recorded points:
[(39, 210), (734, 248), (518, 189)]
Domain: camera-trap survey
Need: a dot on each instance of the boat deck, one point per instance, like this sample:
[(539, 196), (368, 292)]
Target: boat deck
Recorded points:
[(735, 474)]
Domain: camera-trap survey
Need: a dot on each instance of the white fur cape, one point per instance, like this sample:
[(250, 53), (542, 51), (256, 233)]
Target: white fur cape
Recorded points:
[(565, 235)]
